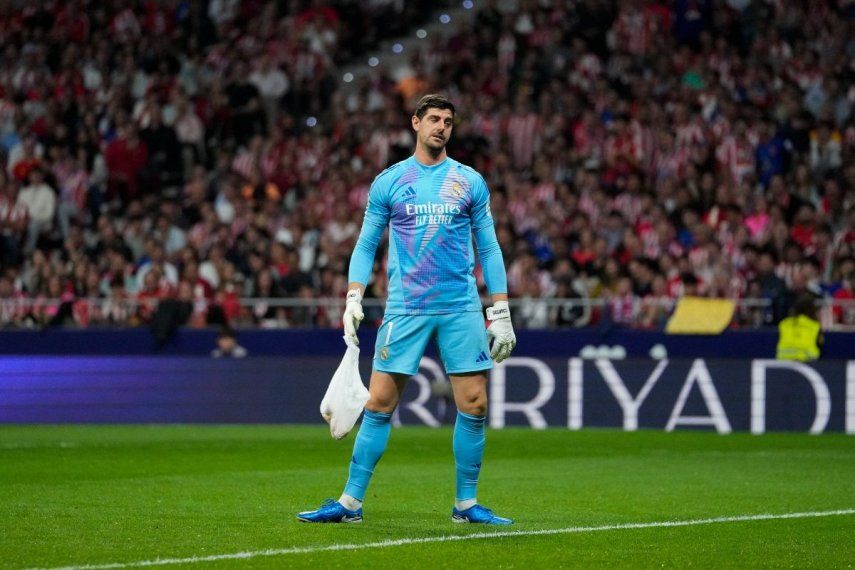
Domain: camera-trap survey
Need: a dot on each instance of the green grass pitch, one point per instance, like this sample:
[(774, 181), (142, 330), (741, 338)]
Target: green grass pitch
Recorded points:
[(96, 495)]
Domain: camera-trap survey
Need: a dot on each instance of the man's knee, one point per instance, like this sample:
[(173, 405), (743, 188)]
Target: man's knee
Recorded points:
[(384, 392), (473, 403), (381, 403)]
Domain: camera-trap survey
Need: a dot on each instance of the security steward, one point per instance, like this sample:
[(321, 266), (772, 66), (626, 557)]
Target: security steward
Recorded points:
[(799, 335)]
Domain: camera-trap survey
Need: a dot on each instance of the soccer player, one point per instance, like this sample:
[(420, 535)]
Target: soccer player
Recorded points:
[(432, 205)]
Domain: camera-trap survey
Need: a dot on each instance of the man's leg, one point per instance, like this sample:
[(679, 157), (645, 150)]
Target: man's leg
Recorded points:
[(401, 341), (470, 395), (384, 392), (34, 230)]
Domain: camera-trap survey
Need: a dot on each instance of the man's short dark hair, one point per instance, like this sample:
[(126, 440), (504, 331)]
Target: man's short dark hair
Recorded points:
[(768, 251), (688, 278), (805, 304), (433, 101), (813, 261)]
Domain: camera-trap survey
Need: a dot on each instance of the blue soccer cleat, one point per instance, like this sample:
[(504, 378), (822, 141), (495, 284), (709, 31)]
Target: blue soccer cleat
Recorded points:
[(478, 514), (331, 512)]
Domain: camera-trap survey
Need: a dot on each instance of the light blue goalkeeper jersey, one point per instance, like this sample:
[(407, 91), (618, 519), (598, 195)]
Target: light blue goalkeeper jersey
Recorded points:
[(432, 213)]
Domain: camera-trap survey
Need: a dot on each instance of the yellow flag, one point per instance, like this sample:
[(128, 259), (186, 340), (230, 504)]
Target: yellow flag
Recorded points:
[(699, 315)]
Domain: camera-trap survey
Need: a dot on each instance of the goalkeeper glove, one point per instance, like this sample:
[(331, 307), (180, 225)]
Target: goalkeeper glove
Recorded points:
[(353, 314), (500, 333)]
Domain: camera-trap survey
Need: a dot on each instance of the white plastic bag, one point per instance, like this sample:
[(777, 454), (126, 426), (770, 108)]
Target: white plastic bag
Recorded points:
[(346, 394)]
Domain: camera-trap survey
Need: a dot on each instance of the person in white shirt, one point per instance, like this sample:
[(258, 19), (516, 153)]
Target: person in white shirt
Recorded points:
[(223, 11), (190, 132), (40, 201), (272, 84)]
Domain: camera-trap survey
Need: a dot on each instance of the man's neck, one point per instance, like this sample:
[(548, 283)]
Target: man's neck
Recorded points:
[(427, 158)]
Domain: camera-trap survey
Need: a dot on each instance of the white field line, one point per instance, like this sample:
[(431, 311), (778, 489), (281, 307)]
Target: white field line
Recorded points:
[(453, 538)]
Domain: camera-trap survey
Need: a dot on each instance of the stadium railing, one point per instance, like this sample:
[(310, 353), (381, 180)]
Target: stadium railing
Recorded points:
[(835, 314)]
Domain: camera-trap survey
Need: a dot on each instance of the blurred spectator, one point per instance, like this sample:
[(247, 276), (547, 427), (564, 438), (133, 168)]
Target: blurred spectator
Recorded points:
[(623, 305), (72, 178), (227, 346), (163, 152), (846, 293), (13, 224), (39, 200), (772, 287), (127, 157), (272, 84), (533, 312)]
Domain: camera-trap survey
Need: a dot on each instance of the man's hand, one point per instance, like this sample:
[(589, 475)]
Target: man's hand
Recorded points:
[(500, 333), (353, 314)]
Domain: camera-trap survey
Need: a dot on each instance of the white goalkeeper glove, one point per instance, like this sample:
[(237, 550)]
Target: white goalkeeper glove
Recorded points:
[(353, 314), (500, 333)]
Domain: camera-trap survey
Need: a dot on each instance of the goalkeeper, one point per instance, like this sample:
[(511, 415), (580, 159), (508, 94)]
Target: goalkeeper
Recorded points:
[(433, 205)]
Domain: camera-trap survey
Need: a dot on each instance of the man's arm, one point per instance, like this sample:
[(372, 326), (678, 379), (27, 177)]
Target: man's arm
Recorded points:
[(500, 332), (376, 219), (489, 251), (362, 258)]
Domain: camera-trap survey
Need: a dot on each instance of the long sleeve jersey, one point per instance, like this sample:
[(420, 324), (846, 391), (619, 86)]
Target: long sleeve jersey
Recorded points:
[(432, 213)]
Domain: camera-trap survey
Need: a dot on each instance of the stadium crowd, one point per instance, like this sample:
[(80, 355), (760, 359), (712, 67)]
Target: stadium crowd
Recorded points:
[(170, 158)]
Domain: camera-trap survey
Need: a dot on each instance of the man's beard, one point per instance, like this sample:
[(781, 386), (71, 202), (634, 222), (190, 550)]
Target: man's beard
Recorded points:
[(433, 147)]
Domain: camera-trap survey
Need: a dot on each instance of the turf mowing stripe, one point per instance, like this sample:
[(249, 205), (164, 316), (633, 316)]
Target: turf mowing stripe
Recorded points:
[(34, 445), (452, 538)]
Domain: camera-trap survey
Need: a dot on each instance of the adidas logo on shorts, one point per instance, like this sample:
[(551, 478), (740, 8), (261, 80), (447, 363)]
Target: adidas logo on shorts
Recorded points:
[(482, 357)]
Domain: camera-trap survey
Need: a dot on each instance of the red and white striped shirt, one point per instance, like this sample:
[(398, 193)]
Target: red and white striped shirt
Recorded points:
[(523, 130), (544, 192), (624, 309), (690, 134), (634, 29), (670, 164), (245, 164), (519, 209), (126, 25), (736, 156), (12, 213)]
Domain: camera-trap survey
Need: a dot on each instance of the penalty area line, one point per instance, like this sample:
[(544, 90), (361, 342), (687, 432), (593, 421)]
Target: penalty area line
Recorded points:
[(454, 538)]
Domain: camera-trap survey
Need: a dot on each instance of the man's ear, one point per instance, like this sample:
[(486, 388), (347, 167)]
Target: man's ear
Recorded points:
[(415, 122)]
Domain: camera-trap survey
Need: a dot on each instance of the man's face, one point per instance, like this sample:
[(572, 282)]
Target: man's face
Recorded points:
[(434, 129), (226, 343)]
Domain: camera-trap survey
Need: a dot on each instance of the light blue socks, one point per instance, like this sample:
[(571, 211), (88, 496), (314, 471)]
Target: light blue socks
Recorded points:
[(468, 444), (367, 450), (468, 452)]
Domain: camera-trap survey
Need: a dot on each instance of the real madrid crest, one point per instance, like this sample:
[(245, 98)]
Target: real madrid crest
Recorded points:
[(384, 353)]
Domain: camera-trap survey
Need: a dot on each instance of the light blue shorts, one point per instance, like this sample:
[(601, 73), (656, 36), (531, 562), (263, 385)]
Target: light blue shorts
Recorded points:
[(461, 339)]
